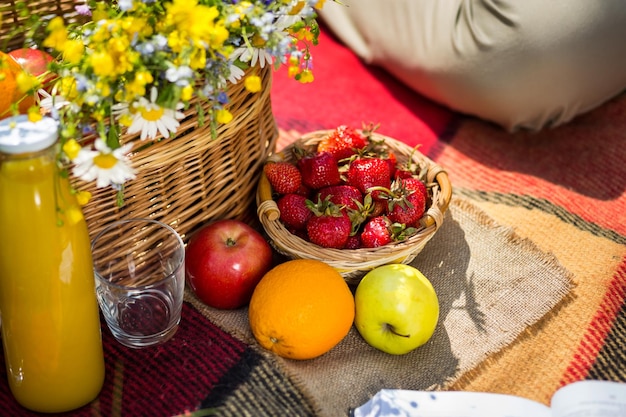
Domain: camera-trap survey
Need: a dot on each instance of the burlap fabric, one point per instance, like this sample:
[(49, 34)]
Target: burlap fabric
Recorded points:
[(564, 190), (492, 285)]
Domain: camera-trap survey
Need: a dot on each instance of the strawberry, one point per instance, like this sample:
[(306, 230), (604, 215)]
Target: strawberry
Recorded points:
[(284, 177), (410, 168), (342, 142), (365, 210), (380, 231), (380, 149), (408, 211), (294, 212), (376, 232), (414, 183), (303, 190), (407, 205), (301, 233), (329, 226), (342, 195), (379, 207), (402, 173), (365, 173), (392, 161), (354, 242), (319, 170)]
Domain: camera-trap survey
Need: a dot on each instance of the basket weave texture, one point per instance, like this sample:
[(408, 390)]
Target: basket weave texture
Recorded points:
[(354, 263), (194, 177)]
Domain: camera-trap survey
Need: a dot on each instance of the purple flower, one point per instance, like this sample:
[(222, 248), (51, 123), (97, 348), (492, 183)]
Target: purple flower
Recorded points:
[(83, 9), (222, 98)]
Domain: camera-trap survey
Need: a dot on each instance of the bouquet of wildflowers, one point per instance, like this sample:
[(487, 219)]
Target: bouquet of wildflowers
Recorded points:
[(135, 66)]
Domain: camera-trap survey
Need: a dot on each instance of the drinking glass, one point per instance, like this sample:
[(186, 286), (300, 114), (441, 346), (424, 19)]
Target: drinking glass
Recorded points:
[(139, 267)]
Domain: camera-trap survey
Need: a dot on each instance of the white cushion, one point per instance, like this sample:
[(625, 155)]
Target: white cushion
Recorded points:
[(518, 63)]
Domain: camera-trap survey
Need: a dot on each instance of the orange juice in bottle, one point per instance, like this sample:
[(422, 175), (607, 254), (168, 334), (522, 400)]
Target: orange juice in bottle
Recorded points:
[(50, 318)]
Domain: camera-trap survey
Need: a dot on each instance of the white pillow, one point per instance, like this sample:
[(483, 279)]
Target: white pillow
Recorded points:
[(518, 63)]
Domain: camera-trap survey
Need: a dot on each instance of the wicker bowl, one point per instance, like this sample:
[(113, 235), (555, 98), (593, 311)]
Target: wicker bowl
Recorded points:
[(187, 180), (354, 263)]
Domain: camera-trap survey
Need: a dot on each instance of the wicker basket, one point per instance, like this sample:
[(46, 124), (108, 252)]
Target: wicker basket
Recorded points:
[(354, 263), (193, 178)]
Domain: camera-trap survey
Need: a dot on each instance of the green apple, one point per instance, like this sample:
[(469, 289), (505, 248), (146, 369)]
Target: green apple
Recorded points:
[(396, 308)]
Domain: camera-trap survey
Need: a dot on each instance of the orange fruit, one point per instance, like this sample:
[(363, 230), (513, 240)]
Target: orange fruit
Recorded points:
[(301, 309), (9, 92)]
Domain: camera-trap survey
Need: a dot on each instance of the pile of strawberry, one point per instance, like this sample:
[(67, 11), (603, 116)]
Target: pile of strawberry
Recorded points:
[(349, 192)]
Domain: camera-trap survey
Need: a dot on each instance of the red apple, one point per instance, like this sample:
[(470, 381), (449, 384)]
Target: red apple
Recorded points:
[(35, 61), (224, 262)]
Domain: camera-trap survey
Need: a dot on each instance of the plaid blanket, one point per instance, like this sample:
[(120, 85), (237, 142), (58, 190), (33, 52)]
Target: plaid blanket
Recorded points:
[(556, 198)]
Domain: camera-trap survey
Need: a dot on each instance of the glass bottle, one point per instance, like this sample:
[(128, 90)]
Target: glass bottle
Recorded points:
[(50, 318)]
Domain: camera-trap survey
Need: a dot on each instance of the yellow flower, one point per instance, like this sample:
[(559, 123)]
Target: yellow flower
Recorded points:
[(102, 63), (26, 82), (258, 41), (105, 160), (137, 87), (304, 34), (118, 45), (144, 77), (293, 70), (223, 116), (99, 114), (58, 34), (297, 8), (198, 22), (175, 41), (198, 58), (67, 87), (320, 4), (121, 54), (71, 148), (103, 33), (218, 35), (74, 215), (100, 13), (136, 26), (126, 119), (186, 93), (83, 197), (253, 83), (34, 114), (306, 76), (73, 51), (240, 13), (56, 24), (103, 88)]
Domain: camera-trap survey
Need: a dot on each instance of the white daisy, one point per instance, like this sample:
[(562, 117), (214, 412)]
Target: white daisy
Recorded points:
[(150, 119), (105, 165), (236, 74), (252, 55), (119, 109), (51, 104), (286, 21)]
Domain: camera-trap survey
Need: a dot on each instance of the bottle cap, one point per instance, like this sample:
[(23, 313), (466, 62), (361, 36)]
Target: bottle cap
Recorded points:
[(19, 135)]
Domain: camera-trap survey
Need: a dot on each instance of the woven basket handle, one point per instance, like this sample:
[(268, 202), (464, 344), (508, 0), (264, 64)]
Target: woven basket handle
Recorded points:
[(266, 206), (441, 198)]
